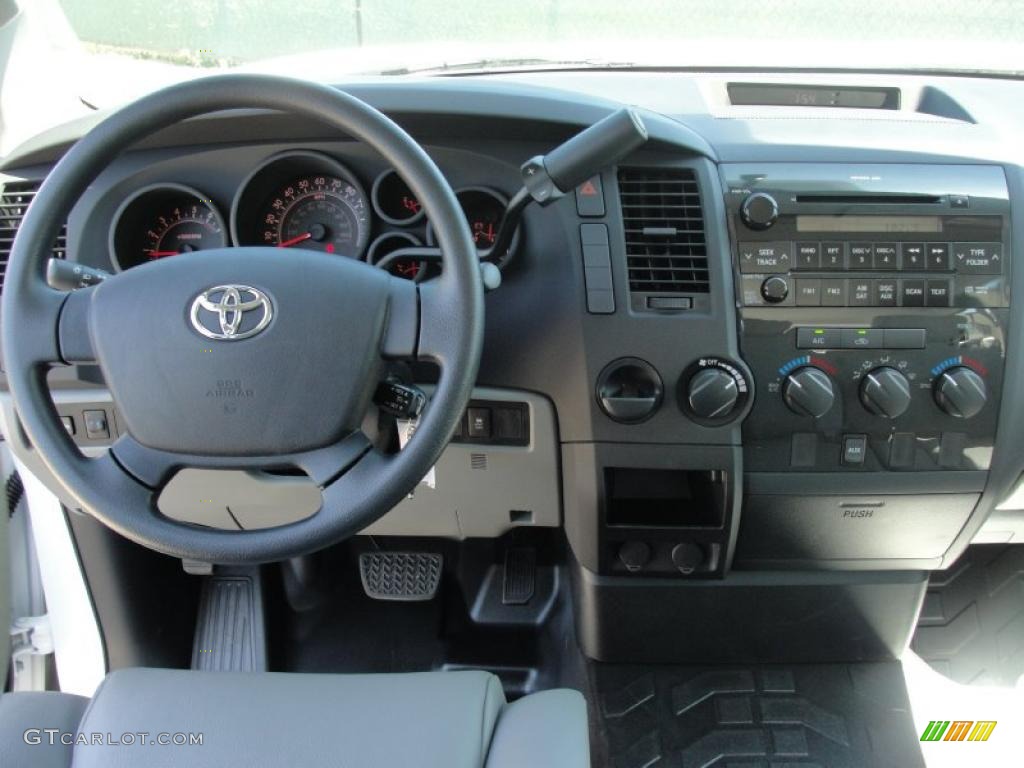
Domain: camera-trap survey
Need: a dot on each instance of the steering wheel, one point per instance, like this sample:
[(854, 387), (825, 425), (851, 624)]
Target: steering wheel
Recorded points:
[(242, 358)]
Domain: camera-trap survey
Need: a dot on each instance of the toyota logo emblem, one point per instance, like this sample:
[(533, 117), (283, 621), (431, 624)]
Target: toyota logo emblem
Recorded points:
[(231, 312)]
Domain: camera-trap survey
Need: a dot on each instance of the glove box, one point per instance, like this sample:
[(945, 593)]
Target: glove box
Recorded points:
[(850, 527)]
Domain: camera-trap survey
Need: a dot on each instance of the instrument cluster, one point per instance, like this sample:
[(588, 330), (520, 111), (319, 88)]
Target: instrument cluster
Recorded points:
[(296, 199)]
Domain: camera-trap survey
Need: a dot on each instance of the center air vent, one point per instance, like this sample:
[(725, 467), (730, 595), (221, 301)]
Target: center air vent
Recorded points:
[(14, 201), (664, 227)]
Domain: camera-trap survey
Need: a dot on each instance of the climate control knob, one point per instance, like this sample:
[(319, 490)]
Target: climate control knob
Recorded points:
[(961, 392), (808, 391), (759, 210), (712, 394), (885, 392)]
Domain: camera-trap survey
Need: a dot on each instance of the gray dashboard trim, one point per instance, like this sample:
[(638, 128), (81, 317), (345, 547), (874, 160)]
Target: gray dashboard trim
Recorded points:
[(846, 483), (408, 102)]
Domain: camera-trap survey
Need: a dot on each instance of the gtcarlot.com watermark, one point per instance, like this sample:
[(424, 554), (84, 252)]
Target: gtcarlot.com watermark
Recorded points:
[(53, 736)]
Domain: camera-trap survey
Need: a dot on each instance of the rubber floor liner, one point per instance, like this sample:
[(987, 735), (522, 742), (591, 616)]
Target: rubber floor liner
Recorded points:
[(971, 627), (830, 716)]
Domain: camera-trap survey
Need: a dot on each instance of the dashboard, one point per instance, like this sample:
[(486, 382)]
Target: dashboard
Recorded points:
[(779, 336)]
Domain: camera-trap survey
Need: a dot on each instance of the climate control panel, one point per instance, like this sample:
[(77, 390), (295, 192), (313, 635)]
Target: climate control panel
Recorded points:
[(929, 402)]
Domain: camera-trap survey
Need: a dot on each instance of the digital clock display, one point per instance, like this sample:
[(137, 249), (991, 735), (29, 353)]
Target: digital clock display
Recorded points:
[(882, 224)]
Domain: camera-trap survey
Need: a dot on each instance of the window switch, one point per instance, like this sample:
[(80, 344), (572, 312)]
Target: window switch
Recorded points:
[(96, 426), (478, 423)]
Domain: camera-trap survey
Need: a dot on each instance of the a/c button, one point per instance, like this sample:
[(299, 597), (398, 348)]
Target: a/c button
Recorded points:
[(818, 338)]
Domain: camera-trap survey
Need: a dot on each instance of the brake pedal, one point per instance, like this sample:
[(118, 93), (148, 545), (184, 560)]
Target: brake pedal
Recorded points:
[(400, 575), (230, 633)]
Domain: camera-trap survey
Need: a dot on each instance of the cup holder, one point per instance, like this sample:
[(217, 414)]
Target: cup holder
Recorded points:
[(629, 390)]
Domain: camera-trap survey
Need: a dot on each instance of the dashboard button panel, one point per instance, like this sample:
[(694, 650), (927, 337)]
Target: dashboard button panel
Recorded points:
[(978, 278), (765, 257)]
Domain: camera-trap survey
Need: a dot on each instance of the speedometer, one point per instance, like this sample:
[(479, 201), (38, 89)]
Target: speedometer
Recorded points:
[(323, 213), (302, 199)]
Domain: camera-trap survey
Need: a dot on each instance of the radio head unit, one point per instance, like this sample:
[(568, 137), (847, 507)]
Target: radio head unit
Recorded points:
[(822, 235)]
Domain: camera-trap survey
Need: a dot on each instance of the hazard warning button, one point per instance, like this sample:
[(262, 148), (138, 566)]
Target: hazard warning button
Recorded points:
[(590, 197)]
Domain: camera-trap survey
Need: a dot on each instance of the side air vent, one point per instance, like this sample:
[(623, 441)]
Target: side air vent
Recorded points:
[(14, 201), (664, 226)]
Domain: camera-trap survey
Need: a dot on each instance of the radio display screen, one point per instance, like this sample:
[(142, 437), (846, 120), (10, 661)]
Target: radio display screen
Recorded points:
[(887, 224)]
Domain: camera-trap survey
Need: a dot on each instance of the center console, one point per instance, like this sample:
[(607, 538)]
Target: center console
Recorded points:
[(874, 306)]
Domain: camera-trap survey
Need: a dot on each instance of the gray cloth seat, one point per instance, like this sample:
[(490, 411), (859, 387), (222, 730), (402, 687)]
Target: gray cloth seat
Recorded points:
[(432, 720)]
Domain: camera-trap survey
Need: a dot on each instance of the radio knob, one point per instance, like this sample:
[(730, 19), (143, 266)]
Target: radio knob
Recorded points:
[(775, 289), (809, 392), (759, 210), (961, 392), (712, 394), (885, 392)]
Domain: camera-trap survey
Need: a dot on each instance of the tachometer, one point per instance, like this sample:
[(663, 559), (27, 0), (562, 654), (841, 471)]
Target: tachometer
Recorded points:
[(302, 199), (164, 220)]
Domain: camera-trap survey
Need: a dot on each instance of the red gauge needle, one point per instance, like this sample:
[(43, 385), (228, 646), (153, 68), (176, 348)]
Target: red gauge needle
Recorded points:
[(294, 240), (161, 254)]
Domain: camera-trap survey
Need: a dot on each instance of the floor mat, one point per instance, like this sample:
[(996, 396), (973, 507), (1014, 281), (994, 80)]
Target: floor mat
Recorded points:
[(971, 627), (829, 716), (462, 626)]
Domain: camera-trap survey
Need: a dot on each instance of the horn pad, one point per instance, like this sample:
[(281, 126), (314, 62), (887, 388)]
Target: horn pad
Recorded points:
[(241, 351)]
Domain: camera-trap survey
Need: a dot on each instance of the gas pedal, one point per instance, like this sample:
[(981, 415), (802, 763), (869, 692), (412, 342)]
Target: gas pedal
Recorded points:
[(520, 576)]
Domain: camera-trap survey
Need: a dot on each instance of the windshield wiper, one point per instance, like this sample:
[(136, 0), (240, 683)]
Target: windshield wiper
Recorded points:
[(505, 65)]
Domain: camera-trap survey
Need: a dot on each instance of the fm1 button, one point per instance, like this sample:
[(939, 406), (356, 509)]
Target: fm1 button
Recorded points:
[(808, 292), (854, 449)]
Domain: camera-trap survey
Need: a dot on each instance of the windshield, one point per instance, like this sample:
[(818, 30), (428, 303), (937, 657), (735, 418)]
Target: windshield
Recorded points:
[(393, 36), (70, 57)]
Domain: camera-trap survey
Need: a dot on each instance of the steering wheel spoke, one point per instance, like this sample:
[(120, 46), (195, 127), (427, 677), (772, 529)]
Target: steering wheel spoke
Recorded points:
[(43, 323), (154, 468), (74, 328), (420, 324)]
